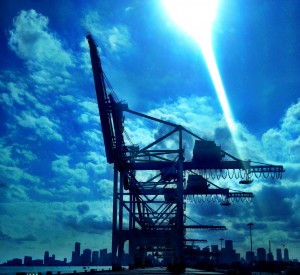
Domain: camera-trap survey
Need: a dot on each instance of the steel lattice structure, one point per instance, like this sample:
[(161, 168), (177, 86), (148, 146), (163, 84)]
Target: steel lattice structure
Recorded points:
[(152, 184)]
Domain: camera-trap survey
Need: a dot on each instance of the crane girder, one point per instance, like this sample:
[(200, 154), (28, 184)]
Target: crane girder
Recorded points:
[(222, 165)]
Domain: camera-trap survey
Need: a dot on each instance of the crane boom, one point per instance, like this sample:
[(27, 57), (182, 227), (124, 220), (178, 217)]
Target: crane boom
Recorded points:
[(103, 101)]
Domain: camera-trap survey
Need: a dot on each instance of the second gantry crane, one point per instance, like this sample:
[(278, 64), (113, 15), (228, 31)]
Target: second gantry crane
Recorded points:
[(153, 183)]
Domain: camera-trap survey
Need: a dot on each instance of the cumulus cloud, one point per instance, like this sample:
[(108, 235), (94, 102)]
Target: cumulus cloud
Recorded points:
[(191, 112), (32, 41), (71, 174), (83, 208), (89, 223), (47, 59), (42, 125), (114, 38), (14, 171), (283, 144)]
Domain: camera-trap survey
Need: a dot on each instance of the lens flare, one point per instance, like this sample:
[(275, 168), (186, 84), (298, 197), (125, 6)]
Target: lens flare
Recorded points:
[(196, 18)]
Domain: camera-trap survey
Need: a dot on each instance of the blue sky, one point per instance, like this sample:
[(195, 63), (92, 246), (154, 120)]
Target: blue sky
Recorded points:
[(55, 183)]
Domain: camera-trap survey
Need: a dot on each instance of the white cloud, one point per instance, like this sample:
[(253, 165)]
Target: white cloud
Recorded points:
[(115, 39), (13, 193), (88, 112), (31, 40), (16, 175), (283, 144), (6, 154), (47, 59), (71, 174), (42, 125), (93, 138), (12, 161), (105, 188), (96, 164)]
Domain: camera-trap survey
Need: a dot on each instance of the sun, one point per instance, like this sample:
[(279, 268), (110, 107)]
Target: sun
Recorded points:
[(196, 18)]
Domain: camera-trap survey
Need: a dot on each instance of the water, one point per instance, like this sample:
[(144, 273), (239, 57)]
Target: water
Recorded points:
[(12, 270)]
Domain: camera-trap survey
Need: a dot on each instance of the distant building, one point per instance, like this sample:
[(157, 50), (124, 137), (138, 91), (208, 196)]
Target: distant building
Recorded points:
[(261, 254), (95, 258), (46, 258), (14, 262), (228, 244), (27, 260), (270, 257), (228, 254), (214, 248), (109, 259), (86, 257), (103, 257), (250, 256), (37, 262), (215, 255), (278, 254), (286, 255), (76, 255)]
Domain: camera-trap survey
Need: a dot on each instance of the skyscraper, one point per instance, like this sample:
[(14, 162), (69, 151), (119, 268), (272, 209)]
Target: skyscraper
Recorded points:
[(86, 257), (278, 254), (261, 254), (103, 257), (95, 258), (76, 254), (228, 254), (27, 260), (46, 258), (286, 255), (228, 244)]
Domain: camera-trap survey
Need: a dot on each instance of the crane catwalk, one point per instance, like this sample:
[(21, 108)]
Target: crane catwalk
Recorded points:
[(153, 184)]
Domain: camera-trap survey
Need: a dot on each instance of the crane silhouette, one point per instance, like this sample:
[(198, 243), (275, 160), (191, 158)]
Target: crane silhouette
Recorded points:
[(152, 184)]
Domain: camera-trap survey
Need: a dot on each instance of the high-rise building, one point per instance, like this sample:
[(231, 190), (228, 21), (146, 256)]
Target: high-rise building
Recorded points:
[(286, 255), (103, 257), (228, 244), (228, 254), (86, 257), (270, 257), (73, 258), (95, 258), (46, 258), (250, 256), (27, 260), (214, 248), (278, 254), (77, 249), (76, 255), (261, 254)]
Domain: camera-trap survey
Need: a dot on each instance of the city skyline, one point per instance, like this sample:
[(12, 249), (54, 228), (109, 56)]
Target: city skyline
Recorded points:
[(101, 257), (56, 185)]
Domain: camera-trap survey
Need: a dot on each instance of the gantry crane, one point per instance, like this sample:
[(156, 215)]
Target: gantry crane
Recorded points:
[(152, 184)]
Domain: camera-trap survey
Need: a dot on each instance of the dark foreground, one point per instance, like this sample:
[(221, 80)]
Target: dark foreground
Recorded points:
[(147, 271)]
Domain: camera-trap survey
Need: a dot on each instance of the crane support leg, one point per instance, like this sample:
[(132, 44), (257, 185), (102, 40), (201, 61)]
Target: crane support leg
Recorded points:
[(114, 224)]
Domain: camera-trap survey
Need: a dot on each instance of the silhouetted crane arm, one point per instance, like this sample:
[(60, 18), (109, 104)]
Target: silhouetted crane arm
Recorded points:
[(103, 101)]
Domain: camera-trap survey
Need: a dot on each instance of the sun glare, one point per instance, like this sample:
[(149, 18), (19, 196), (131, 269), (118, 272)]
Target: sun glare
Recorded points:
[(196, 18)]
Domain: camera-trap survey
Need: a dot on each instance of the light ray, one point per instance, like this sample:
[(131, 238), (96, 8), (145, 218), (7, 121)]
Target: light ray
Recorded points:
[(196, 17)]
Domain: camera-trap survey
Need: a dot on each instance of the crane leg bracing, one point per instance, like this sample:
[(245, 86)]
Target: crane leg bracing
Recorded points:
[(153, 184)]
